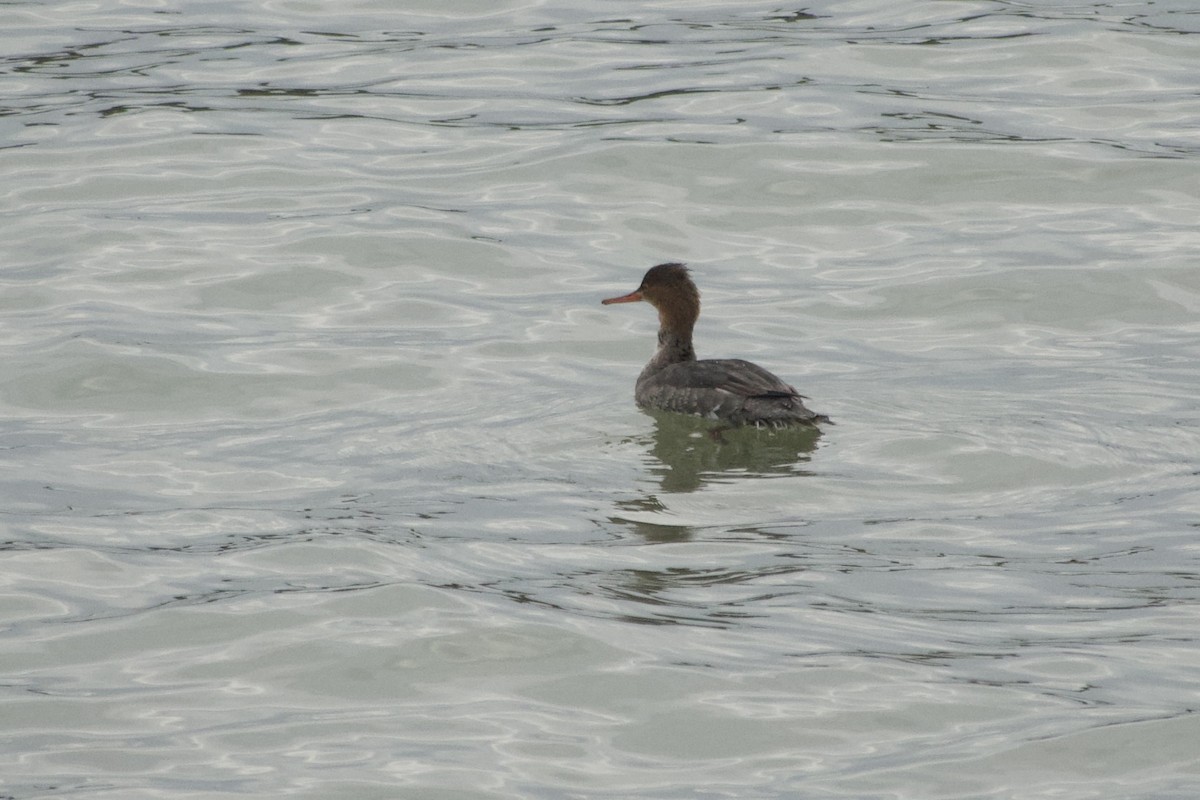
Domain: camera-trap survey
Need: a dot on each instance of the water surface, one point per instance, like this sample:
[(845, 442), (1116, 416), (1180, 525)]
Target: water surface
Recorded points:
[(322, 475)]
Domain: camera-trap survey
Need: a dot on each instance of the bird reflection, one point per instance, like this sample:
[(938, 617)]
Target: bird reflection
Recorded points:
[(688, 452), (685, 453)]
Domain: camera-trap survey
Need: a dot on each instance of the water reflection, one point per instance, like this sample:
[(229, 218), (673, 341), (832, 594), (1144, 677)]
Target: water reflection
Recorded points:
[(689, 452), (685, 454)]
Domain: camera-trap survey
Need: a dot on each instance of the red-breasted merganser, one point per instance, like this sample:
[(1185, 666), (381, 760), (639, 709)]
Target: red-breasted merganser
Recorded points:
[(731, 390)]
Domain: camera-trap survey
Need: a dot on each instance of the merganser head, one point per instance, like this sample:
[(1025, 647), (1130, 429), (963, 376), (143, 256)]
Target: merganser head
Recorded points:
[(668, 288)]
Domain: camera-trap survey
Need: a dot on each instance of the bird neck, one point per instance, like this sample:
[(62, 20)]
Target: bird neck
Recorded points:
[(674, 344)]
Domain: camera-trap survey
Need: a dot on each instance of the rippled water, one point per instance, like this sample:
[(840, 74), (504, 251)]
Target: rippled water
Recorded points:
[(322, 475)]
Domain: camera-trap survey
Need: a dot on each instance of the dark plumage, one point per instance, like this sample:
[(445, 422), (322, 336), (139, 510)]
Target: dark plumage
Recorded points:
[(734, 391)]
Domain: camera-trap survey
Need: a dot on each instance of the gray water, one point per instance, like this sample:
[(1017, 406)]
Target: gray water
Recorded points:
[(322, 476)]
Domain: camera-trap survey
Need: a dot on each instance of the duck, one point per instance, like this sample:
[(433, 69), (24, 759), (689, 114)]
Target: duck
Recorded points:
[(733, 391)]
